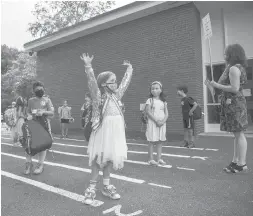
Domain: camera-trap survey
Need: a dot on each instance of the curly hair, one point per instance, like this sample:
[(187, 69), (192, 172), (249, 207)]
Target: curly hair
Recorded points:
[(235, 54), (38, 83)]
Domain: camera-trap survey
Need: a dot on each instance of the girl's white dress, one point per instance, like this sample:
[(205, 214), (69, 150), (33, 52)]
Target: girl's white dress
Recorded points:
[(153, 132), (108, 141)]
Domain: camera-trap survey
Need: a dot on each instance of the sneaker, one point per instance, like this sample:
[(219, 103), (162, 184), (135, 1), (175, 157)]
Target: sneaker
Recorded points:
[(229, 167), (185, 144), (28, 168), (89, 195), (191, 145), (110, 191), (161, 162), (237, 168), (152, 162), (39, 169)]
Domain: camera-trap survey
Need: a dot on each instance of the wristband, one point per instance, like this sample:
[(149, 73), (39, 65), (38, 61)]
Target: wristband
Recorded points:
[(88, 66)]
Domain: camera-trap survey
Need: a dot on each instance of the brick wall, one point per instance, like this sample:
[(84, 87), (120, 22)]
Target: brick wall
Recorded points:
[(165, 46)]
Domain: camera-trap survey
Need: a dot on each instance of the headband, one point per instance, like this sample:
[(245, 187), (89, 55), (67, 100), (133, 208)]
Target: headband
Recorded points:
[(157, 82)]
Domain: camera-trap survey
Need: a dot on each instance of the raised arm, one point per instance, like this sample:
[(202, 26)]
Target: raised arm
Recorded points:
[(92, 82), (125, 81)]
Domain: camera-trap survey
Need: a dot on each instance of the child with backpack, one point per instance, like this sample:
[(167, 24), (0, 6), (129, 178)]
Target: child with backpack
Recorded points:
[(107, 143), (40, 109), (157, 115), (189, 105)]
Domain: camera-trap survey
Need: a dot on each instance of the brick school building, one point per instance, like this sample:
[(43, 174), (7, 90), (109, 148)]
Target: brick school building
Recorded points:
[(163, 41)]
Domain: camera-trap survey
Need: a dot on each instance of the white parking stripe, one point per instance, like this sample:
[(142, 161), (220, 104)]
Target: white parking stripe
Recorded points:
[(183, 168), (124, 178), (163, 154), (62, 192), (135, 144), (157, 185), (86, 156)]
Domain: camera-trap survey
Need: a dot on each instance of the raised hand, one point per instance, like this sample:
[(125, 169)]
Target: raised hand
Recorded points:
[(86, 58), (127, 63)]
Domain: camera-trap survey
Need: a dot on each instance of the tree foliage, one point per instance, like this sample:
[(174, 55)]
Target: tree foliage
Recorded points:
[(18, 79), (52, 16), (8, 55)]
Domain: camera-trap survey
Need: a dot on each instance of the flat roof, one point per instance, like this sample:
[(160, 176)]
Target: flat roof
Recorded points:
[(106, 20)]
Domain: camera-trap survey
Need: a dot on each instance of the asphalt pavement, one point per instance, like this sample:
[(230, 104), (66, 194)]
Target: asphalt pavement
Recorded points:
[(192, 182)]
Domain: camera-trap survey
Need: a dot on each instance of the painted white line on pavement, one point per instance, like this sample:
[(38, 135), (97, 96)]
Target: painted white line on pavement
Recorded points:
[(136, 144), (136, 152), (124, 178), (157, 185), (146, 164), (68, 153), (76, 146), (62, 192), (86, 156), (116, 209), (208, 149), (198, 157), (183, 168)]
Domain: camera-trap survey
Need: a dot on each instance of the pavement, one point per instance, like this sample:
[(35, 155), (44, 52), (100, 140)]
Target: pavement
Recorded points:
[(192, 183)]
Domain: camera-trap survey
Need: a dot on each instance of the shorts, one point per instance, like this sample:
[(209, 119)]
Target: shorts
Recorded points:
[(188, 123), (65, 121)]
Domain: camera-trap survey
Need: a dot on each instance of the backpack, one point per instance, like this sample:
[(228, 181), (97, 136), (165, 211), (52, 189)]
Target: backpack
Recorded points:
[(36, 136), (10, 117), (197, 114), (144, 116)]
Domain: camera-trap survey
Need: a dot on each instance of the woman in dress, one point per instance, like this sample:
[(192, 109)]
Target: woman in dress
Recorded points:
[(233, 104)]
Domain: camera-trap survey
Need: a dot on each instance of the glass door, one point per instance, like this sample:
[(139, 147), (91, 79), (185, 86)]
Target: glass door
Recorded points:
[(213, 104)]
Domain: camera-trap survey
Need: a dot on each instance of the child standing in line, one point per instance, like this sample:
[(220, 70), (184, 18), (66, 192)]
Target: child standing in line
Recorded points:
[(21, 106), (157, 112), (40, 105), (107, 144), (65, 117), (188, 106)]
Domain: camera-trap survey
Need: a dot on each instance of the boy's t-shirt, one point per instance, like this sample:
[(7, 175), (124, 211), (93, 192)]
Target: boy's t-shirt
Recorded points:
[(43, 103), (187, 103)]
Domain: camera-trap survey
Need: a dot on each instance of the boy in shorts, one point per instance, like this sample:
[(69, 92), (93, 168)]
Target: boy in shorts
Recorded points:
[(188, 106)]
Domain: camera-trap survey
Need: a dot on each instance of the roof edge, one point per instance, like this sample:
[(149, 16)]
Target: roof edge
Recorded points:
[(106, 20)]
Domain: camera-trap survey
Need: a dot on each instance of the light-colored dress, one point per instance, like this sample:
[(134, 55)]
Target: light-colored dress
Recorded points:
[(153, 132), (108, 141)]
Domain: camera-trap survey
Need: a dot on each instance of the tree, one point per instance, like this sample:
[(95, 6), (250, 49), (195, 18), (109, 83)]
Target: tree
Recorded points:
[(8, 55), (17, 81), (52, 16)]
